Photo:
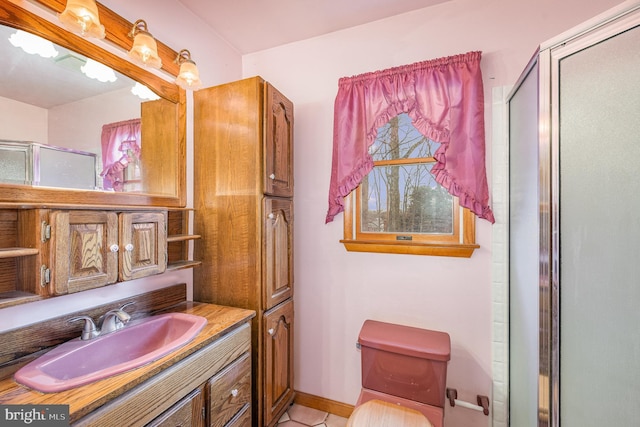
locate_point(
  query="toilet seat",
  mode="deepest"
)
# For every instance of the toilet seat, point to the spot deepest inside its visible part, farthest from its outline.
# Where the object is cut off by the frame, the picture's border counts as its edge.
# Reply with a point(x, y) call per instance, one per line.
point(377, 413)
point(434, 414)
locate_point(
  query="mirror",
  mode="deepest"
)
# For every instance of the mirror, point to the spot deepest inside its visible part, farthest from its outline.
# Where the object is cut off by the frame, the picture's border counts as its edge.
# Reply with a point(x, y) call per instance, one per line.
point(55, 124)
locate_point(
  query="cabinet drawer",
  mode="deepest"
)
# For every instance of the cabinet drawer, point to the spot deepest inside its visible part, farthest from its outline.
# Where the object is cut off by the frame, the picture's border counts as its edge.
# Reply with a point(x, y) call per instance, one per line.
point(243, 419)
point(230, 392)
point(186, 413)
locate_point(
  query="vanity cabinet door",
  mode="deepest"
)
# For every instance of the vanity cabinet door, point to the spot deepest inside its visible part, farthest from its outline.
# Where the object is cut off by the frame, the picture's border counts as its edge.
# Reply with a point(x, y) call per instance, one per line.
point(278, 143)
point(189, 412)
point(143, 244)
point(278, 254)
point(278, 354)
point(84, 247)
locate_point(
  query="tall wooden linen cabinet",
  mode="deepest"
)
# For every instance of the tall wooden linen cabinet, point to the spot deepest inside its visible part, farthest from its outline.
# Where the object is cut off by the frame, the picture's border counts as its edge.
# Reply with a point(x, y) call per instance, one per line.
point(243, 199)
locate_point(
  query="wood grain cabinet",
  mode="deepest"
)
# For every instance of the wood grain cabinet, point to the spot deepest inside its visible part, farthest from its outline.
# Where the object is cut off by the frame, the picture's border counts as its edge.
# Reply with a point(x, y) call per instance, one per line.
point(211, 387)
point(278, 324)
point(49, 252)
point(22, 254)
point(230, 394)
point(90, 249)
point(84, 250)
point(243, 200)
point(189, 412)
point(143, 244)
point(179, 239)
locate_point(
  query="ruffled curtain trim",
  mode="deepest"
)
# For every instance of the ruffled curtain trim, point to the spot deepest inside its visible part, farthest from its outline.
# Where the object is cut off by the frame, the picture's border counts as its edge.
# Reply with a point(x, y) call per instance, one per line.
point(444, 98)
point(118, 139)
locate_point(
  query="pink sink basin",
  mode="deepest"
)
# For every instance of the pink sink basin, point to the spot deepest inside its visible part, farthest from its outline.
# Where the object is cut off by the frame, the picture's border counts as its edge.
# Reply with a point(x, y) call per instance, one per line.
point(78, 362)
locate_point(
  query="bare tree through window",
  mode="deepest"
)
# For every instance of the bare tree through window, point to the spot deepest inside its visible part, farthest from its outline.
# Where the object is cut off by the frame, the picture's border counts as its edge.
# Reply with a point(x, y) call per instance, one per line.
point(400, 195)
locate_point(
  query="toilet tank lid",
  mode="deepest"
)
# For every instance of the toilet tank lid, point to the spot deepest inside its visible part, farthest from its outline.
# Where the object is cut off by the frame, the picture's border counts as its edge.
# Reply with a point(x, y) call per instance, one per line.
point(407, 340)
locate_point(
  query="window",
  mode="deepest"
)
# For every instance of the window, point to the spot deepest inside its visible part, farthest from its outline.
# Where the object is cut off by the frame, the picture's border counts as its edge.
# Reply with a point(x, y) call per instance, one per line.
point(399, 207)
point(384, 172)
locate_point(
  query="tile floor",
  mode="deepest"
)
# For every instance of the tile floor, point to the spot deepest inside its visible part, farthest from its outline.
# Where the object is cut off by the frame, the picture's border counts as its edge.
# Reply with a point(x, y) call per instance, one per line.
point(302, 416)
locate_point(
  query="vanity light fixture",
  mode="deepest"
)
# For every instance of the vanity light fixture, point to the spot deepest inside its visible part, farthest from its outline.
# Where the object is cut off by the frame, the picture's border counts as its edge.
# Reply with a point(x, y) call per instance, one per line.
point(189, 76)
point(33, 44)
point(143, 92)
point(81, 17)
point(145, 48)
point(95, 70)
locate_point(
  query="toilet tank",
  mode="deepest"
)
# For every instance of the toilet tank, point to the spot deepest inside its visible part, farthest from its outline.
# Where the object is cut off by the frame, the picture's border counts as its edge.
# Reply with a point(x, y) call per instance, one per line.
point(404, 361)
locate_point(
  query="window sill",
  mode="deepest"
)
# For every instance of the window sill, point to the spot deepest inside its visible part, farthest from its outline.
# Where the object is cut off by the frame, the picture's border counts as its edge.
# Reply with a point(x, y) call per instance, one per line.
point(443, 249)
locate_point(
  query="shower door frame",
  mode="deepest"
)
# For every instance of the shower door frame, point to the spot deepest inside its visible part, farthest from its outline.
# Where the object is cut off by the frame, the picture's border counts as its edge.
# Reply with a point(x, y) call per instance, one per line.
point(549, 57)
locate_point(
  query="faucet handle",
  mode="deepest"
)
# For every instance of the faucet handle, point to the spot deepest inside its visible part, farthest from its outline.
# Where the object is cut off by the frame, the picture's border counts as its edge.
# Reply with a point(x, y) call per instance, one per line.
point(122, 315)
point(128, 304)
point(89, 329)
point(114, 319)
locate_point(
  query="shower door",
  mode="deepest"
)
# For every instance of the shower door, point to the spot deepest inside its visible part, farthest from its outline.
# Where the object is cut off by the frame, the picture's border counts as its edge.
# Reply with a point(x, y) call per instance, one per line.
point(574, 209)
point(595, 227)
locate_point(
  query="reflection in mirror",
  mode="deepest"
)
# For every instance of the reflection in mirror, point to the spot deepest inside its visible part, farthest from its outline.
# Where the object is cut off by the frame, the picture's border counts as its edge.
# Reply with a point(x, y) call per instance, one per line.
point(62, 110)
point(69, 121)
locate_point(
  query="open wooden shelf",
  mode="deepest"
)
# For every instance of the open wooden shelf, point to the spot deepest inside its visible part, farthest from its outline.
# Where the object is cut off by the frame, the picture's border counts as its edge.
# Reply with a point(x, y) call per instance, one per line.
point(17, 252)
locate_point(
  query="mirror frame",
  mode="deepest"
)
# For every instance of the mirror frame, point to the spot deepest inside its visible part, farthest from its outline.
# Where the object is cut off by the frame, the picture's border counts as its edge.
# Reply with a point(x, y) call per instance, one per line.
point(17, 17)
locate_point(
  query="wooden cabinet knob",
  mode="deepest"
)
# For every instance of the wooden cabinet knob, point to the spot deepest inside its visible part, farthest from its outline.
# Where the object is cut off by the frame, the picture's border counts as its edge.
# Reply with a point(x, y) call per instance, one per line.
point(114, 248)
point(272, 176)
point(129, 247)
point(271, 215)
point(271, 331)
point(234, 392)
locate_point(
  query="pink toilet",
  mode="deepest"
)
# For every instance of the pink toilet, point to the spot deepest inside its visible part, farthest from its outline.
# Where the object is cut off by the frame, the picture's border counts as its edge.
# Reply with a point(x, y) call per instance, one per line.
point(406, 366)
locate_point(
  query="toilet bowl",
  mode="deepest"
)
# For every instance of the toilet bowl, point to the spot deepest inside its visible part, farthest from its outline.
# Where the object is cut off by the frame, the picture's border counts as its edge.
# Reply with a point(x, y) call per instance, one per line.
point(404, 366)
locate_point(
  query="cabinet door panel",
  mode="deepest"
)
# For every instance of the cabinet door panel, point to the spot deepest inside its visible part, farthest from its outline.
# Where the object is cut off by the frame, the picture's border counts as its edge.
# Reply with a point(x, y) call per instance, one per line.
point(81, 244)
point(278, 142)
point(278, 376)
point(278, 254)
point(143, 244)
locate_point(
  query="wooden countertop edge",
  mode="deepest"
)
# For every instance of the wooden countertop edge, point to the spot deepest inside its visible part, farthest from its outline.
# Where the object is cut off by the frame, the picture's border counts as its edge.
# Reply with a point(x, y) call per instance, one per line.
point(82, 400)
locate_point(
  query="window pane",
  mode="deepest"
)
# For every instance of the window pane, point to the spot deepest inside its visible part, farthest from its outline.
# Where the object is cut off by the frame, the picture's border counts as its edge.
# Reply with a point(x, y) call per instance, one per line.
point(405, 199)
point(398, 139)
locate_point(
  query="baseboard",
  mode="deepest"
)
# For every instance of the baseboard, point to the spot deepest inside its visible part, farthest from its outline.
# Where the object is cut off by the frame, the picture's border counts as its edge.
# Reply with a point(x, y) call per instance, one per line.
point(322, 404)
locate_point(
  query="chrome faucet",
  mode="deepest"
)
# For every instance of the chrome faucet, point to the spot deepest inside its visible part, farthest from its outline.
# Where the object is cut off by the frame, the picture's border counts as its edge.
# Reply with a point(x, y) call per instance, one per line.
point(115, 319)
point(111, 321)
point(89, 331)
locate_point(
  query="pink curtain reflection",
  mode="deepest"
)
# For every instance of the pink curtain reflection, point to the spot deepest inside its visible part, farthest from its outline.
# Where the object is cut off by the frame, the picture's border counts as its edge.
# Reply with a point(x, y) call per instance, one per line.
point(120, 146)
point(445, 100)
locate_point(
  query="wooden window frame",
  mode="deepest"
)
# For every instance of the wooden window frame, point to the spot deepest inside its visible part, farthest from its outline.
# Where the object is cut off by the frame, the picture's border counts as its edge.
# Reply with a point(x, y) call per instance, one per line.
point(461, 243)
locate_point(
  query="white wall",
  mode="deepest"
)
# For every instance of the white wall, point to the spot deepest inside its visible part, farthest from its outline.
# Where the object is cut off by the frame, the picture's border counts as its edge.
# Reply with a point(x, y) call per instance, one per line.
point(337, 290)
point(65, 130)
point(22, 122)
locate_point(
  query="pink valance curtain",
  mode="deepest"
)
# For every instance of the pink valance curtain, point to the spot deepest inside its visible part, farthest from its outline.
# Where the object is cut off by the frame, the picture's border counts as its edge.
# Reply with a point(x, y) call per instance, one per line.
point(120, 144)
point(445, 100)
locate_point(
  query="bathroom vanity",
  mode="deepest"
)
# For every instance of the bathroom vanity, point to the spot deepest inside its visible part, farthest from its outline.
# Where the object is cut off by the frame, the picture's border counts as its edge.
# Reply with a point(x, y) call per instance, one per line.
point(205, 382)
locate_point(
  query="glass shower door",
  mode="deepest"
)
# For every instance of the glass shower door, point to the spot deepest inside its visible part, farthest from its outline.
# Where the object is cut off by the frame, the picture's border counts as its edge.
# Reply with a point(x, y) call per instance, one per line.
point(598, 149)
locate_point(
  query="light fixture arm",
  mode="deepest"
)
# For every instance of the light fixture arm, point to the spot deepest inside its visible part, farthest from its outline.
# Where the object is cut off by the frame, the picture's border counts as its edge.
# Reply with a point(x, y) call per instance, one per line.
point(189, 77)
point(144, 49)
point(139, 25)
point(183, 55)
